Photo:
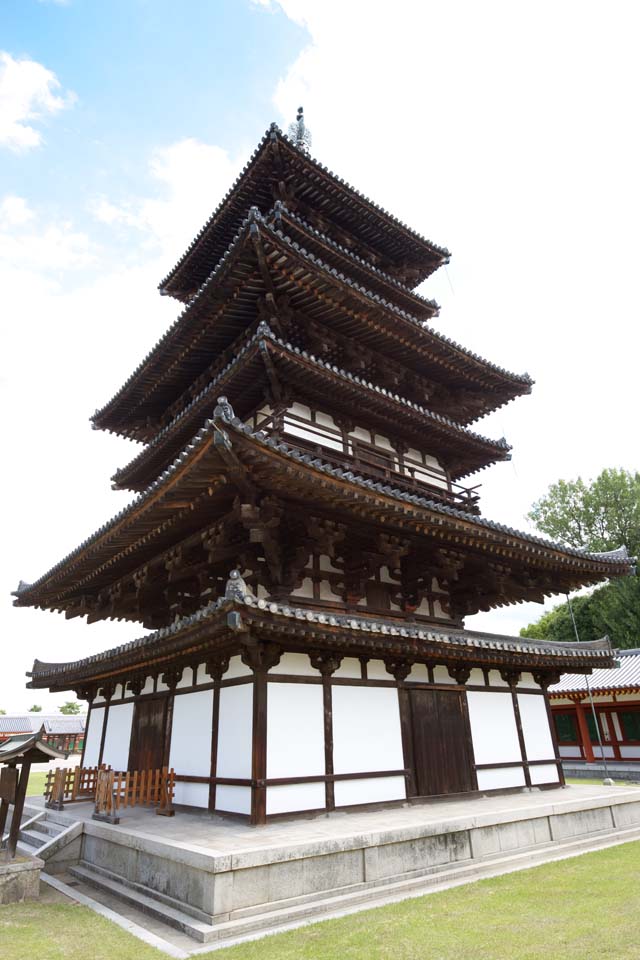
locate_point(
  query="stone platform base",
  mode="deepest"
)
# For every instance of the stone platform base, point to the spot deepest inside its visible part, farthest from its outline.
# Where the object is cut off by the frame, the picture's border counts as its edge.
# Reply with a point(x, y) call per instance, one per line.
point(628, 772)
point(218, 880)
point(19, 879)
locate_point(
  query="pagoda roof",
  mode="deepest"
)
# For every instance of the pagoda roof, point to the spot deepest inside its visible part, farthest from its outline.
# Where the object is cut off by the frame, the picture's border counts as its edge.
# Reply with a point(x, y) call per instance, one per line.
point(226, 307)
point(277, 160)
point(243, 379)
point(226, 456)
point(217, 626)
point(622, 677)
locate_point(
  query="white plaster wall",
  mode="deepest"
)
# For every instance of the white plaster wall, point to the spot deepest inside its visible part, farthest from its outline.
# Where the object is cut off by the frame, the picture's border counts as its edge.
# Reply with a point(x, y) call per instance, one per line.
point(148, 686)
point(630, 753)
point(295, 665)
point(295, 796)
point(493, 727)
point(327, 564)
point(616, 726)
point(545, 773)
point(305, 589)
point(94, 736)
point(500, 778)
point(376, 670)
point(161, 685)
point(526, 680)
point(608, 751)
point(476, 677)
point(327, 592)
point(98, 697)
point(237, 669)
point(570, 751)
point(235, 731)
point(186, 680)
point(535, 726)
point(495, 680)
point(192, 794)
point(201, 674)
point(371, 790)
point(366, 729)
point(419, 673)
point(233, 799)
point(118, 692)
point(442, 675)
point(349, 668)
point(295, 730)
point(191, 733)
point(118, 738)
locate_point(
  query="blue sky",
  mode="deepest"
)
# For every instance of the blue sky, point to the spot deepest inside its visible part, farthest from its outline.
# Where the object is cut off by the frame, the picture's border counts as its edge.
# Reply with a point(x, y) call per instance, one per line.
point(503, 131)
point(142, 73)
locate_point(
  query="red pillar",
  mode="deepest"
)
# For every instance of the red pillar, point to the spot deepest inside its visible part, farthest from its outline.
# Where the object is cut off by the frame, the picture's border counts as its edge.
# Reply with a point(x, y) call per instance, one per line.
point(585, 739)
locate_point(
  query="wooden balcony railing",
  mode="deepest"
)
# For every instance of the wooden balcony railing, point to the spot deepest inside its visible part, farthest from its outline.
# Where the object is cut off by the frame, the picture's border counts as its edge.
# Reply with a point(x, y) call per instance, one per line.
point(349, 453)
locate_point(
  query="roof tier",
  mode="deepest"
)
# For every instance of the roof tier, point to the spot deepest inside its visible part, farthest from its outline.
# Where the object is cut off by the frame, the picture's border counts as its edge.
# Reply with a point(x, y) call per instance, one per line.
point(266, 274)
point(498, 565)
point(215, 630)
point(267, 362)
point(624, 677)
point(279, 170)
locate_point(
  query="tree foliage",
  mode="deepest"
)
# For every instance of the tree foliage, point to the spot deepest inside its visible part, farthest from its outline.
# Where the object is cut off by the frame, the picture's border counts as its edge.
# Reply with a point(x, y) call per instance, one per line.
point(36, 708)
point(70, 707)
point(3, 713)
point(600, 515)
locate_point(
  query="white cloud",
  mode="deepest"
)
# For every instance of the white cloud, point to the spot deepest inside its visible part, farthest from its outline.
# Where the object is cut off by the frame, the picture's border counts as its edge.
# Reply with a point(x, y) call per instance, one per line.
point(14, 211)
point(28, 92)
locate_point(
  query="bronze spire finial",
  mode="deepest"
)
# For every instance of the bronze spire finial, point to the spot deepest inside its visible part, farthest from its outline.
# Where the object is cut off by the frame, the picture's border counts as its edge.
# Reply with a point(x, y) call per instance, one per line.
point(299, 132)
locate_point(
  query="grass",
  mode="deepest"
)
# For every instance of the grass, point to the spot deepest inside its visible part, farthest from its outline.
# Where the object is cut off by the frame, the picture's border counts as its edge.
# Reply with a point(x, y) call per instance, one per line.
point(575, 909)
point(35, 787)
point(587, 782)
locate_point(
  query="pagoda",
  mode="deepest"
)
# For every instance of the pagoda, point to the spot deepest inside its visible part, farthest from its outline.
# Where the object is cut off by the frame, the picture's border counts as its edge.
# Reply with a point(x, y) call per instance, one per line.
point(306, 539)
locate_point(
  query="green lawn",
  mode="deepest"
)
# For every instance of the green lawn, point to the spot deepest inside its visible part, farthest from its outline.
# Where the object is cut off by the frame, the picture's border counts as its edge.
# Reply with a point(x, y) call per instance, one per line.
point(35, 787)
point(577, 909)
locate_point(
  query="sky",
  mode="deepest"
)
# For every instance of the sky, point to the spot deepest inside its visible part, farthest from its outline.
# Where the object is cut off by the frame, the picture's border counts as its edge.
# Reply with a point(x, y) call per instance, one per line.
point(505, 132)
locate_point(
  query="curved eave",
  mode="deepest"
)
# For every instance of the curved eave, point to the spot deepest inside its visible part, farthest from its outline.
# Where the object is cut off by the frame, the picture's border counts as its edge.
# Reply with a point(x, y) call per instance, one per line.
point(412, 339)
point(253, 187)
point(414, 422)
point(200, 469)
point(222, 619)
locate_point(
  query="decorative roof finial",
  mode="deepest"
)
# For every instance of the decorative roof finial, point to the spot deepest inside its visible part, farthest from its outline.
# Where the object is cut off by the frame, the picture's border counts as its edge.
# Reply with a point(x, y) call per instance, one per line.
point(299, 133)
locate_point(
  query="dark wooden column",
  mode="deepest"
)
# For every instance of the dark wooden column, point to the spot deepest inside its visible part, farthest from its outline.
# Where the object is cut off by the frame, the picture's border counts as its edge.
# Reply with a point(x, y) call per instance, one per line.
point(88, 694)
point(260, 656)
point(327, 664)
point(21, 793)
point(216, 670)
point(511, 677)
point(400, 670)
point(107, 692)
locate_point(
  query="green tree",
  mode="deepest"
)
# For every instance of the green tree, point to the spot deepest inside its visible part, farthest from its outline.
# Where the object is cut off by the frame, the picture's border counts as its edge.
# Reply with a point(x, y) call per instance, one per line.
point(600, 515)
point(36, 708)
point(70, 707)
point(3, 713)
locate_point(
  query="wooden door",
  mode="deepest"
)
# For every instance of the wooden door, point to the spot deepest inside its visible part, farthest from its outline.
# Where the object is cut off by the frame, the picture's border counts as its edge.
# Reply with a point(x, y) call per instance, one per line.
point(147, 735)
point(443, 756)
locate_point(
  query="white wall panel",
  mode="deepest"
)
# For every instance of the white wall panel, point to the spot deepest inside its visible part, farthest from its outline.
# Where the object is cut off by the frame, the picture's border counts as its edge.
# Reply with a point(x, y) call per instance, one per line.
point(235, 731)
point(295, 730)
point(535, 726)
point(350, 668)
point(570, 751)
point(630, 753)
point(237, 669)
point(118, 738)
point(192, 794)
point(500, 778)
point(94, 736)
point(495, 680)
point(186, 680)
point(493, 727)
point(476, 677)
point(419, 673)
point(296, 665)
point(371, 790)
point(376, 670)
point(191, 733)
point(526, 680)
point(233, 799)
point(201, 674)
point(442, 675)
point(545, 773)
point(366, 729)
point(608, 751)
point(295, 796)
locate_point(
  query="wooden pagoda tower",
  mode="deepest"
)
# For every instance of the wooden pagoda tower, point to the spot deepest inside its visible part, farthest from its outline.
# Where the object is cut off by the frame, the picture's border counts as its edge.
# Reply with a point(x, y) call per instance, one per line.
point(306, 542)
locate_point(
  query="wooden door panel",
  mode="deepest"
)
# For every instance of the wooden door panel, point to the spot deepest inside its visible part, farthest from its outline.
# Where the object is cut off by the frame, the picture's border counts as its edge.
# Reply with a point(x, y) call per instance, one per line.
point(147, 740)
point(441, 742)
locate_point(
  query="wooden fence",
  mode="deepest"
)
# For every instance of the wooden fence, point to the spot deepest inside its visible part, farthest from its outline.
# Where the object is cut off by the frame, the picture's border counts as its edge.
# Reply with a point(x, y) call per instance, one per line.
point(111, 790)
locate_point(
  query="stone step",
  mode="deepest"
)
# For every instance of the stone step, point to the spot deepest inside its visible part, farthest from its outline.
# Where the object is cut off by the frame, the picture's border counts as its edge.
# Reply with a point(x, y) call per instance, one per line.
point(243, 924)
point(46, 828)
point(146, 902)
point(32, 839)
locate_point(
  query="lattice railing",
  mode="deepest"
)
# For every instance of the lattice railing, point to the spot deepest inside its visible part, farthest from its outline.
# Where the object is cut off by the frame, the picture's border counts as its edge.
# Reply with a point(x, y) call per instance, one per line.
point(112, 790)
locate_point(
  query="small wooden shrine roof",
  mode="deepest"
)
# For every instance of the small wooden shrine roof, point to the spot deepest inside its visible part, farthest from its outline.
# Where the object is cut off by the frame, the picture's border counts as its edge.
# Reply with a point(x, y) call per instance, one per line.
point(623, 677)
point(219, 462)
point(278, 165)
point(263, 261)
point(213, 628)
point(29, 747)
point(265, 356)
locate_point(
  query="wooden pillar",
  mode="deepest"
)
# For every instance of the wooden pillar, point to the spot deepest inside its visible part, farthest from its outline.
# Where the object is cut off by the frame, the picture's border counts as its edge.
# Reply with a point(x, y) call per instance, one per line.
point(400, 670)
point(216, 670)
point(581, 717)
point(327, 664)
point(260, 656)
point(18, 808)
point(107, 693)
point(512, 677)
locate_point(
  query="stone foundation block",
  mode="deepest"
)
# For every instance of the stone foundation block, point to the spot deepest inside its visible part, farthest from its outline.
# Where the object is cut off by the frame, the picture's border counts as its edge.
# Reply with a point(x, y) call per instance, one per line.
point(20, 879)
